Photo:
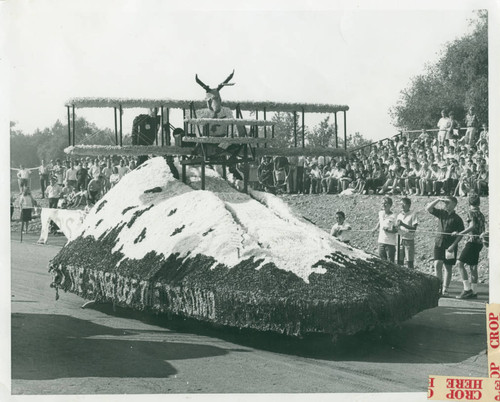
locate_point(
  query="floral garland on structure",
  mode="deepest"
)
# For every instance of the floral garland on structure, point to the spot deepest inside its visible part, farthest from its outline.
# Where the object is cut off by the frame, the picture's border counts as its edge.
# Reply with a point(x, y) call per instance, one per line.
point(269, 106)
point(135, 150)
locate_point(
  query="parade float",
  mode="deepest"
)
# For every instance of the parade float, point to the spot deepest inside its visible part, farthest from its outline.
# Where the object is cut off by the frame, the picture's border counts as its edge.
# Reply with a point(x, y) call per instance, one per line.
point(200, 248)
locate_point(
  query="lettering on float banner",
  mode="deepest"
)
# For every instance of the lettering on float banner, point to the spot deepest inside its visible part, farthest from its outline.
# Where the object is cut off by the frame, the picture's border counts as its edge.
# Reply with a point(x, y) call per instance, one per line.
point(443, 388)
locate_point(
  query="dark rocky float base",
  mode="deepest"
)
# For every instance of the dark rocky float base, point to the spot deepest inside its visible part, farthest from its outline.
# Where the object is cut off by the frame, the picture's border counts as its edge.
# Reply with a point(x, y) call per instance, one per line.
point(352, 296)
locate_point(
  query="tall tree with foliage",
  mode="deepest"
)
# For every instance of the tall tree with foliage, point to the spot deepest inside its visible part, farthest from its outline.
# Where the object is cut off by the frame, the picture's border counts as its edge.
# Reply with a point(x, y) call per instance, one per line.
point(322, 135)
point(283, 129)
point(457, 81)
point(49, 143)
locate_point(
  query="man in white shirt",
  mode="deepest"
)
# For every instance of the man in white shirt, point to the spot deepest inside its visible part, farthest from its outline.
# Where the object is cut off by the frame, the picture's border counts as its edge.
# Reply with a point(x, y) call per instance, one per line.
point(341, 229)
point(122, 169)
point(444, 124)
point(23, 176)
point(53, 192)
point(407, 223)
point(387, 229)
point(70, 176)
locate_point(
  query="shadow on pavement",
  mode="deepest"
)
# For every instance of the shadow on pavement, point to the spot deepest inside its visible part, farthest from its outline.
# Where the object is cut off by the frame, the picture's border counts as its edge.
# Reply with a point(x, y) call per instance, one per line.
point(46, 346)
point(438, 335)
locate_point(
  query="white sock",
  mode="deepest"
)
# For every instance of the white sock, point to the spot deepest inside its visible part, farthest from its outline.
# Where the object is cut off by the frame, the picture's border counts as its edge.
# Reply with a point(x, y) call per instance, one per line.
point(474, 288)
point(466, 284)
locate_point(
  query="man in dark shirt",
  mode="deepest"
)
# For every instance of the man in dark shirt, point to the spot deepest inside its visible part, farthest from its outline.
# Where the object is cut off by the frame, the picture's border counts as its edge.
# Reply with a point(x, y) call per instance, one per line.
point(144, 129)
point(445, 245)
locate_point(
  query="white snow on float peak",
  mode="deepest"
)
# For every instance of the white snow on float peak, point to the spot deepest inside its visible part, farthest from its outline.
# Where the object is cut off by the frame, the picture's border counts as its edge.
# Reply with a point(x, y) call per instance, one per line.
point(219, 222)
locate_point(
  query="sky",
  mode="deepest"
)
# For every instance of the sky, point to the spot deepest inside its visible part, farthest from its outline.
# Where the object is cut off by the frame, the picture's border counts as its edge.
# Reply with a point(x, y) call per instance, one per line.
point(313, 53)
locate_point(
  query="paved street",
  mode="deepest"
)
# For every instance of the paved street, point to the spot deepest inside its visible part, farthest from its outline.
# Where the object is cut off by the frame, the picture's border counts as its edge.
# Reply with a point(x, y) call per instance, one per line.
point(60, 348)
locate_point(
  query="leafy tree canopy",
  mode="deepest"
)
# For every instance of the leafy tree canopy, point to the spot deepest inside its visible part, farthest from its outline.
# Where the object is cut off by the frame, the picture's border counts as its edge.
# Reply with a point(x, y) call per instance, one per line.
point(458, 80)
point(49, 143)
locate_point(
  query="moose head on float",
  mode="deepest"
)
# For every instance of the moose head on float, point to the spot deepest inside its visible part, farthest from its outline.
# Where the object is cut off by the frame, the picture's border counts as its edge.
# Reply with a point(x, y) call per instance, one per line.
point(214, 101)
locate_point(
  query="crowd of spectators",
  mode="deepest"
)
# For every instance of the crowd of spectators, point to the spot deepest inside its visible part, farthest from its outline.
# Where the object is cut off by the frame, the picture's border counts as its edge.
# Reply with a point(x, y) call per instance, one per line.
point(75, 183)
point(425, 164)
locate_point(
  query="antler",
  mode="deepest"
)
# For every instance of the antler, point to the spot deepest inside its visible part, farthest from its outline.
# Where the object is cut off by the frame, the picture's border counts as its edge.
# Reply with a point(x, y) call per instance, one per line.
point(203, 85)
point(226, 81)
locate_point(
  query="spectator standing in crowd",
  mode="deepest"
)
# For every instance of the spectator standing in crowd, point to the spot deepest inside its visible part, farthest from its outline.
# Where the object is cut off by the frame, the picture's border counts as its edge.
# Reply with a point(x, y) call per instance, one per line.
point(265, 173)
point(94, 189)
point(472, 125)
point(123, 169)
point(11, 206)
point(44, 174)
point(341, 229)
point(53, 192)
point(300, 174)
point(292, 174)
point(407, 223)
point(470, 253)
point(71, 178)
point(94, 169)
point(82, 175)
point(386, 226)
point(445, 245)
point(106, 173)
point(453, 130)
point(115, 177)
point(58, 171)
point(316, 177)
point(23, 177)
point(26, 204)
point(443, 125)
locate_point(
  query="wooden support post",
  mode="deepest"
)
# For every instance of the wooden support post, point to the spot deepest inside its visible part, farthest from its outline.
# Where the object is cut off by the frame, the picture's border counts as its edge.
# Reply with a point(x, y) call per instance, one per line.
point(256, 129)
point(265, 128)
point(295, 128)
point(74, 134)
point(272, 131)
point(224, 173)
point(245, 169)
point(167, 134)
point(336, 132)
point(156, 131)
point(121, 126)
point(116, 128)
point(162, 130)
point(184, 170)
point(185, 124)
point(345, 130)
point(203, 174)
point(69, 128)
point(303, 129)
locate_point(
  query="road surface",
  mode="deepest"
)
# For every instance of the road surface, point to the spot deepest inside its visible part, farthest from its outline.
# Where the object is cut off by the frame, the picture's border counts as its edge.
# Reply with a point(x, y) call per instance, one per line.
point(60, 348)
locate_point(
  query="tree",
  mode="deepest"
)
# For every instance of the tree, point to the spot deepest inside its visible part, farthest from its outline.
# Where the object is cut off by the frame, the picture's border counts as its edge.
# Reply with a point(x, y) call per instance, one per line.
point(49, 143)
point(22, 148)
point(283, 129)
point(322, 135)
point(458, 80)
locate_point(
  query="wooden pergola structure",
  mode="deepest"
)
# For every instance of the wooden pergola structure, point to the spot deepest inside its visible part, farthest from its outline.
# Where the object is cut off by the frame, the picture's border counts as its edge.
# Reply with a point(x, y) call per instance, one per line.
point(197, 131)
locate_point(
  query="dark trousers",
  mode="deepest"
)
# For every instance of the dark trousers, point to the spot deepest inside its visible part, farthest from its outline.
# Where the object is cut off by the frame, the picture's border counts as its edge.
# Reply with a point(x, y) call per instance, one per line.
point(44, 181)
point(53, 202)
point(300, 179)
point(81, 185)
